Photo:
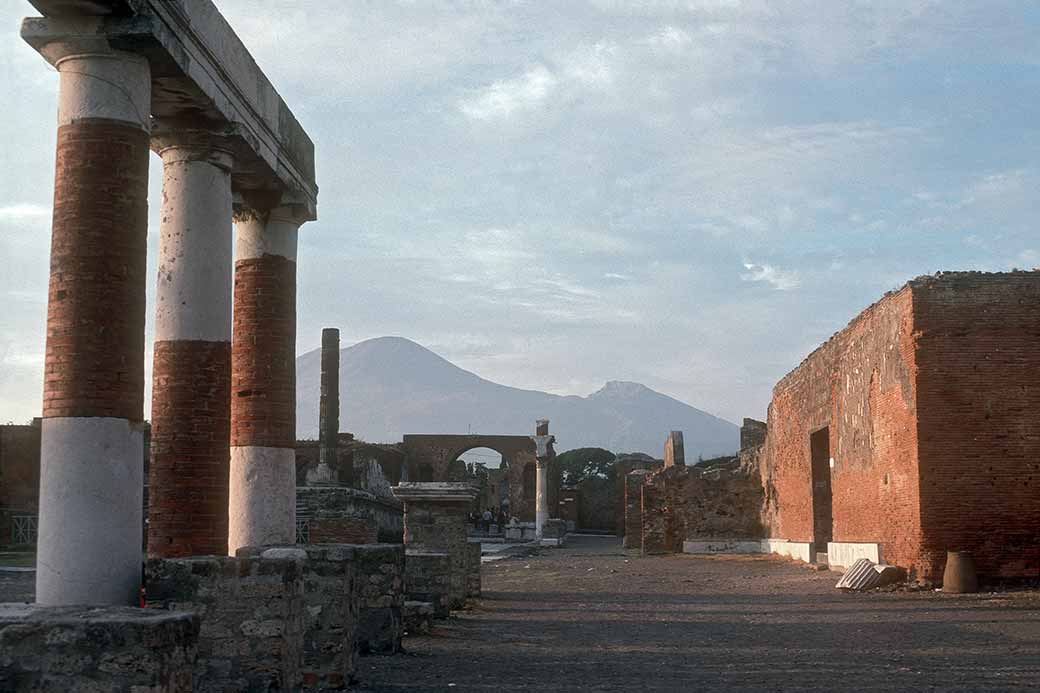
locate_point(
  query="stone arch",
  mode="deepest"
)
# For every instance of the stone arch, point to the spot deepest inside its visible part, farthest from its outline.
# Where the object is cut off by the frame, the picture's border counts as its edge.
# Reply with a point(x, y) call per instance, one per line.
point(441, 450)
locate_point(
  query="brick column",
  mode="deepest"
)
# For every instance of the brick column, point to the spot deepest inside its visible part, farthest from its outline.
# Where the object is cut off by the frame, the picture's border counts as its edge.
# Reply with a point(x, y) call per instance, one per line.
point(262, 507)
point(191, 378)
point(92, 447)
point(545, 453)
point(328, 412)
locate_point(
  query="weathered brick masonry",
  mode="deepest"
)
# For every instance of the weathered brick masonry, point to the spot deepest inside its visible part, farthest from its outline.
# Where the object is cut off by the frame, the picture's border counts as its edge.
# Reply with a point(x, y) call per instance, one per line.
point(188, 474)
point(96, 301)
point(263, 353)
point(978, 404)
point(928, 404)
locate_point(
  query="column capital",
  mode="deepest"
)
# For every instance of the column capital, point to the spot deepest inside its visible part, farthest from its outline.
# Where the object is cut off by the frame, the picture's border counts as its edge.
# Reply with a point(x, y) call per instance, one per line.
point(99, 82)
point(182, 144)
point(544, 448)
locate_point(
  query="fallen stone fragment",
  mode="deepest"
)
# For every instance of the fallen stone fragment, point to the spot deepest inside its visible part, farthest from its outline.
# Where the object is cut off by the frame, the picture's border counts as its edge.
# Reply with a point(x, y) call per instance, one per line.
point(860, 577)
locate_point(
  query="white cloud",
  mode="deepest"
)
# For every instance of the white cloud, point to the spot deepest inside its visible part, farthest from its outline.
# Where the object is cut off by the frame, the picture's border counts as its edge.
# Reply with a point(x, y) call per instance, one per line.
point(24, 212)
point(504, 98)
point(781, 280)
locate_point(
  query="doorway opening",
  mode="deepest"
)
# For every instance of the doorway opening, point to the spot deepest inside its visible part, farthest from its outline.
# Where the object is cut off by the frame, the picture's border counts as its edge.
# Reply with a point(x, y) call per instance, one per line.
point(823, 512)
point(489, 470)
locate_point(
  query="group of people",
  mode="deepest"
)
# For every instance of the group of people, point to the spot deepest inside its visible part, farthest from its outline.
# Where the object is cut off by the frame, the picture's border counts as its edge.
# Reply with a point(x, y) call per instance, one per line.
point(485, 519)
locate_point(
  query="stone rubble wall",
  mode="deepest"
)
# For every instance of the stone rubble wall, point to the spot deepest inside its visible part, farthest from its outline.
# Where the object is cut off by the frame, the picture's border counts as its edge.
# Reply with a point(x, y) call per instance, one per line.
point(427, 578)
point(692, 504)
point(380, 586)
point(252, 616)
point(73, 649)
point(331, 604)
point(473, 583)
point(324, 503)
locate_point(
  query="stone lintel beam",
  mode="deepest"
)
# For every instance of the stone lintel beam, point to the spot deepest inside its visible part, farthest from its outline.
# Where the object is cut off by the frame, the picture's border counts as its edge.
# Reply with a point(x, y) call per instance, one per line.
point(435, 492)
point(202, 76)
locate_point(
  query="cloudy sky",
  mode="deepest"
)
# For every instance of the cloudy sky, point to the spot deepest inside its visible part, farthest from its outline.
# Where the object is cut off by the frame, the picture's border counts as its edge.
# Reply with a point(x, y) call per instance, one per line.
point(554, 194)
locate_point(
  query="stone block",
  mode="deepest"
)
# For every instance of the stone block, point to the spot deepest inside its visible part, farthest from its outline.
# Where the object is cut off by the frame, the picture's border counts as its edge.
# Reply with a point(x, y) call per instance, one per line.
point(418, 617)
point(96, 649)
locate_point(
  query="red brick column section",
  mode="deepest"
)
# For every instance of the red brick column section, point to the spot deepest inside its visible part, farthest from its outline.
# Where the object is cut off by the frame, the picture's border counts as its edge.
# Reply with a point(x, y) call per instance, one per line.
point(91, 470)
point(262, 507)
point(191, 374)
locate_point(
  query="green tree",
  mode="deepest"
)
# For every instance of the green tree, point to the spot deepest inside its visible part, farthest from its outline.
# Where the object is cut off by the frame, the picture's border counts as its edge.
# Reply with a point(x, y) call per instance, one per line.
point(585, 463)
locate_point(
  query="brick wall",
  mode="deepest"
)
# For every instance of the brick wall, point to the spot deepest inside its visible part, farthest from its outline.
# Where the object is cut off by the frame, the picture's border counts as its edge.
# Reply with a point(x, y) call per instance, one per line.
point(860, 384)
point(979, 427)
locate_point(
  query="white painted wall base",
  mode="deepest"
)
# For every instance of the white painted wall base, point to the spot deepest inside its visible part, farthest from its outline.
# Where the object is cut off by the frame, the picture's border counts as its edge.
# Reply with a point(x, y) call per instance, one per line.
point(91, 493)
point(799, 550)
point(262, 499)
point(552, 542)
point(842, 554)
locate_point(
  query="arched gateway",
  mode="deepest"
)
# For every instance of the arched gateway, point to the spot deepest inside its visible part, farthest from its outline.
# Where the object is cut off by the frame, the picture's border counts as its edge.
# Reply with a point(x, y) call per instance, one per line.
point(433, 457)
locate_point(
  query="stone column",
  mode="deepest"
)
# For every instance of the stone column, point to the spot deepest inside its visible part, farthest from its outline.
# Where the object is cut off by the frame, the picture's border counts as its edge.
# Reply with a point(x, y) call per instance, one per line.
point(191, 378)
point(262, 506)
point(92, 449)
point(328, 414)
point(545, 453)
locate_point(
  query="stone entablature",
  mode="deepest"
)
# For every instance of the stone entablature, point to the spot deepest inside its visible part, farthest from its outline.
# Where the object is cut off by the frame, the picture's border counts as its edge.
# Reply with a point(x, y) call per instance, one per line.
point(205, 79)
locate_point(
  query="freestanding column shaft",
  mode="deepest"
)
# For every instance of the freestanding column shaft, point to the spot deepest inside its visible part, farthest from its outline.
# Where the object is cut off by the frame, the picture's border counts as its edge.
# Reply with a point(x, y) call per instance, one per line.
point(92, 449)
point(545, 453)
point(262, 508)
point(328, 414)
point(191, 378)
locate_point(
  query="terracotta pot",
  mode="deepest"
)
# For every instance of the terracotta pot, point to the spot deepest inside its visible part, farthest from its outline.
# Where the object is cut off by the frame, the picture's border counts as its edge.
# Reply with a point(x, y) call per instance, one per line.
point(959, 576)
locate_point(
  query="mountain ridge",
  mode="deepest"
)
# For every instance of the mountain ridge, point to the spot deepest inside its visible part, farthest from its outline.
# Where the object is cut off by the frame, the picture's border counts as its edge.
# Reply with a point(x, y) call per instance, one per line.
point(391, 385)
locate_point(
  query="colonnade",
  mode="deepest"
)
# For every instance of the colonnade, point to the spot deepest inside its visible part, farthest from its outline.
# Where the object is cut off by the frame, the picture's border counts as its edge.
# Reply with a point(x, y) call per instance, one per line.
point(222, 471)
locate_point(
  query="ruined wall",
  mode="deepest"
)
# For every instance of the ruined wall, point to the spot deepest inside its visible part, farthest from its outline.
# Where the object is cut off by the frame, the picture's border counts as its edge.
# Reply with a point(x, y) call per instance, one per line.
point(624, 465)
point(979, 428)
point(860, 384)
point(693, 504)
point(380, 587)
point(251, 611)
point(320, 506)
point(83, 648)
point(19, 477)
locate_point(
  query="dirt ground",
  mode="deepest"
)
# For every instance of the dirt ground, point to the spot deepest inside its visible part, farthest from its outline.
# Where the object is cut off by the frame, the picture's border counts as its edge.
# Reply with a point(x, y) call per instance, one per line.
point(593, 617)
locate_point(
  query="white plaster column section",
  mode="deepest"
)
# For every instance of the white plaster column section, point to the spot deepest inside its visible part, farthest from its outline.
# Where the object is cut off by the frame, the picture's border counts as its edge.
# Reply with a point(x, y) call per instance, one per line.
point(541, 501)
point(262, 504)
point(544, 453)
point(108, 84)
point(92, 447)
point(193, 297)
